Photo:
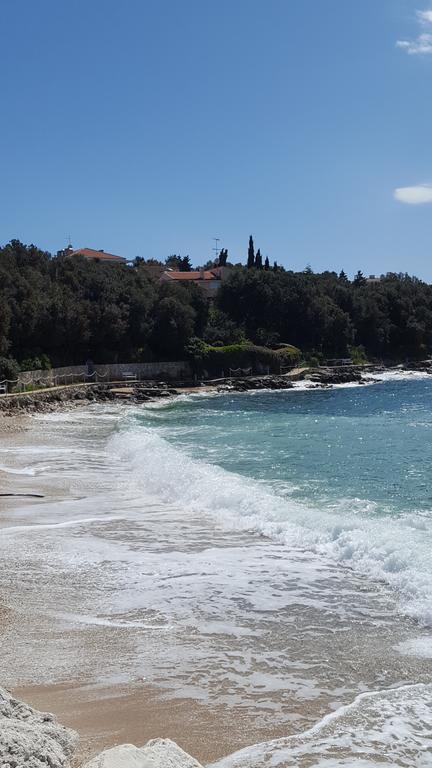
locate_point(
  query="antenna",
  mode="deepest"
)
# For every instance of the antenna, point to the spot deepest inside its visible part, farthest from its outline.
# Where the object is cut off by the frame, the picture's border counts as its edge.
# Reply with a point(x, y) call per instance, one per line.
point(216, 246)
point(69, 242)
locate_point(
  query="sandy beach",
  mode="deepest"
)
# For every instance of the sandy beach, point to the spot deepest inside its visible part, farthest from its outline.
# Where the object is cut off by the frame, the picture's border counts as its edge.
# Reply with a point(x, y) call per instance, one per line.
point(106, 715)
point(131, 613)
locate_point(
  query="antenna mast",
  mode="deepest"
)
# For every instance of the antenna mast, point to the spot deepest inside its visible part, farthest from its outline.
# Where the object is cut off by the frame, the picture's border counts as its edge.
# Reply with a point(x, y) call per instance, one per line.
point(216, 246)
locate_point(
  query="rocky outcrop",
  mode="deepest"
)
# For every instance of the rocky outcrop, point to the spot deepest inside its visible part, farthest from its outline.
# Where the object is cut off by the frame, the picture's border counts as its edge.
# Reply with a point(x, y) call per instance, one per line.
point(30, 738)
point(424, 366)
point(158, 753)
point(341, 375)
point(255, 382)
point(51, 399)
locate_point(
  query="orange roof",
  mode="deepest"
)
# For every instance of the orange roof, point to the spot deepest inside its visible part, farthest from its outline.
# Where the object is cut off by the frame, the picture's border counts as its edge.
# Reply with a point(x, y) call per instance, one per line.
point(90, 253)
point(195, 275)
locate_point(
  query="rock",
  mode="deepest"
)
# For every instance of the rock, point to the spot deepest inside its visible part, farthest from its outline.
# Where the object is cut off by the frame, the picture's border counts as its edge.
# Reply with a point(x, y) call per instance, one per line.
point(157, 753)
point(255, 382)
point(30, 738)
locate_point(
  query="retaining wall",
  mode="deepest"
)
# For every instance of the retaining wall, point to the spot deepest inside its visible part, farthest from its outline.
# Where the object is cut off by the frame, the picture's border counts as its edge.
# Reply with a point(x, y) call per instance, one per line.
point(112, 372)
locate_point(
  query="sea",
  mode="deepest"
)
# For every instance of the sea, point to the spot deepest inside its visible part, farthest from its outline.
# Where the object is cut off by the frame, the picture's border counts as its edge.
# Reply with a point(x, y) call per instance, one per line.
point(266, 554)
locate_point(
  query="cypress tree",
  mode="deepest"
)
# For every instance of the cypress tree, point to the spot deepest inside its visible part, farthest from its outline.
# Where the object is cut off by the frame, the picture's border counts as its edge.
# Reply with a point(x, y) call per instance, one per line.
point(223, 257)
point(258, 259)
point(251, 253)
point(266, 263)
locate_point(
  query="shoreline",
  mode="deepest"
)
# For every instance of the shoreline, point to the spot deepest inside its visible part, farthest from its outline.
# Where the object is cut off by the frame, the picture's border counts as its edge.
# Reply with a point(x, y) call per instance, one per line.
point(16, 405)
point(109, 714)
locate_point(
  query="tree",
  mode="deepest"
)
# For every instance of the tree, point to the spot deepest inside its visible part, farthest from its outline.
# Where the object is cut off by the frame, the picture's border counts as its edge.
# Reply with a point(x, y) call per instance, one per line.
point(359, 279)
point(275, 266)
point(251, 254)
point(223, 257)
point(173, 327)
point(266, 264)
point(258, 260)
point(185, 264)
point(173, 261)
point(343, 277)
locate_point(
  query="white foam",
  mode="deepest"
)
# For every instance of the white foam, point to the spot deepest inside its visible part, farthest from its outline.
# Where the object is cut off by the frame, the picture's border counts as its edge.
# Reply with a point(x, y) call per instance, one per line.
point(390, 550)
point(418, 646)
point(392, 728)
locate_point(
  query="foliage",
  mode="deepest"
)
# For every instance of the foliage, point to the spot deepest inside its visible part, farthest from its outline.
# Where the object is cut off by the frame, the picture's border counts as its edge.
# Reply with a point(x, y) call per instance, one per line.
point(358, 355)
point(9, 369)
point(64, 311)
point(325, 315)
point(218, 359)
point(251, 254)
point(36, 363)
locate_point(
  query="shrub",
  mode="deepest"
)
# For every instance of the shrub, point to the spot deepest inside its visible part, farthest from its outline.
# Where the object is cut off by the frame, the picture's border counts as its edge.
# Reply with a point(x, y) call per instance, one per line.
point(358, 355)
point(9, 369)
point(247, 355)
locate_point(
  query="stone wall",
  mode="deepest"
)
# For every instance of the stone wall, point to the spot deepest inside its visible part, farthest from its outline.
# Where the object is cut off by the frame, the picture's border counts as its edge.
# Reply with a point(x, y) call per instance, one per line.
point(75, 374)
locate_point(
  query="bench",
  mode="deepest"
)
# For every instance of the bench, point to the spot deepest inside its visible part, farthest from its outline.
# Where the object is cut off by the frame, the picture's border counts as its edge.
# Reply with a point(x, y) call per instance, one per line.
point(129, 376)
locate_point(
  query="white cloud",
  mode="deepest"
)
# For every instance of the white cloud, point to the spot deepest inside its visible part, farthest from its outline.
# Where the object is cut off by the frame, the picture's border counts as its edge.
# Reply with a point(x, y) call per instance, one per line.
point(425, 17)
point(422, 44)
point(421, 193)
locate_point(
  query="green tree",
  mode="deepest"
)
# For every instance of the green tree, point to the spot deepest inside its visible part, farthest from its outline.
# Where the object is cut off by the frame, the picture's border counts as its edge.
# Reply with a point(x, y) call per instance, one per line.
point(251, 253)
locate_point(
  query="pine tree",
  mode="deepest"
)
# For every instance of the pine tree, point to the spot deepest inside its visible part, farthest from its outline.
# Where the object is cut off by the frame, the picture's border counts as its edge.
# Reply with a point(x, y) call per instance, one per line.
point(185, 264)
point(251, 254)
point(258, 260)
point(359, 278)
point(343, 276)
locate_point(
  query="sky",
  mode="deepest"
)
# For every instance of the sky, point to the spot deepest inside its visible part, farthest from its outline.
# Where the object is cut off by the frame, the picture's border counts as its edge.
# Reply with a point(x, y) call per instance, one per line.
point(149, 127)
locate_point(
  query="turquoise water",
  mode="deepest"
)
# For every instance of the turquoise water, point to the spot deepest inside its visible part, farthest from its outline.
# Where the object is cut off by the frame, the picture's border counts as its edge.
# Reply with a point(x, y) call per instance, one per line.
point(368, 443)
point(344, 472)
point(266, 555)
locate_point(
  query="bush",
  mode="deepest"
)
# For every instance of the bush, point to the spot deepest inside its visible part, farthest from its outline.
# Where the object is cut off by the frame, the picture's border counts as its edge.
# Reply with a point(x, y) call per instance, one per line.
point(288, 354)
point(247, 355)
point(34, 363)
point(9, 369)
point(358, 355)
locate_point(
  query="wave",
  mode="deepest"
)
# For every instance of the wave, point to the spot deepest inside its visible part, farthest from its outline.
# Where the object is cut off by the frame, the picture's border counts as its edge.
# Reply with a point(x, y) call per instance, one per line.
point(392, 728)
point(394, 550)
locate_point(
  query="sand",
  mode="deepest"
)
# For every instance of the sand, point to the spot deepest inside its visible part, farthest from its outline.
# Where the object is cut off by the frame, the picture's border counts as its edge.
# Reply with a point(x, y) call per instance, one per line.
point(105, 716)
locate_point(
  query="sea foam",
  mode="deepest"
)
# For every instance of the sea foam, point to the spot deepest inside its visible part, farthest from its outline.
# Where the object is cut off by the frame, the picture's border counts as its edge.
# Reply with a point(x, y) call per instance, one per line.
point(393, 550)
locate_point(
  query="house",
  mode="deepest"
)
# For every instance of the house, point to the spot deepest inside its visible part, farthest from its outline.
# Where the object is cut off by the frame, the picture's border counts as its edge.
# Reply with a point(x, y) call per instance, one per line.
point(92, 255)
point(209, 280)
point(373, 279)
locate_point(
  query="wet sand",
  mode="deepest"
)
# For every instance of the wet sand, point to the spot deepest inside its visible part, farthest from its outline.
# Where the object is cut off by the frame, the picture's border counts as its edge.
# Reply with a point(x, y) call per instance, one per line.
point(107, 716)
point(125, 707)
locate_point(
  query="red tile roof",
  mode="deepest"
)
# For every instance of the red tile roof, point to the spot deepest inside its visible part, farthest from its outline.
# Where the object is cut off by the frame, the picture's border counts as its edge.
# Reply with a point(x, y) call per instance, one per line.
point(90, 253)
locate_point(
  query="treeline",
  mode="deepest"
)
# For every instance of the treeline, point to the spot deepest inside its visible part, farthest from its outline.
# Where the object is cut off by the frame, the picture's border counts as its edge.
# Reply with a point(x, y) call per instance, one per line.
point(61, 310)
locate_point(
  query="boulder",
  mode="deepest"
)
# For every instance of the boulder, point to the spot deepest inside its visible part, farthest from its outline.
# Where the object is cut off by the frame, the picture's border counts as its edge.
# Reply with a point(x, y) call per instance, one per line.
point(157, 753)
point(31, 738)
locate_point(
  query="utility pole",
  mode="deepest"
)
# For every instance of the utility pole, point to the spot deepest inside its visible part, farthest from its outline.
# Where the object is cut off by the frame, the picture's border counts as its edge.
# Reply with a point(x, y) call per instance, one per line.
point(216, 247)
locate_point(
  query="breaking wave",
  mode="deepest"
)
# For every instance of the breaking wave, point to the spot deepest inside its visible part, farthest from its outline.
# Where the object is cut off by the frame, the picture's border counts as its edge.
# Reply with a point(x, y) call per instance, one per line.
point(392, 728)
point(395, 550)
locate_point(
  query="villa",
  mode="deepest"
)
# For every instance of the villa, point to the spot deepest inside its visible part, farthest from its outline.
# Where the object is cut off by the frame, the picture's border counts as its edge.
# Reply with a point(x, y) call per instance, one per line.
point(209, 280)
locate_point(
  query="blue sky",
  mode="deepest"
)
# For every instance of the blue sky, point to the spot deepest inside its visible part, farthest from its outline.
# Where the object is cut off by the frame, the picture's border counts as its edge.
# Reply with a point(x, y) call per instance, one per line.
point(147, 127)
